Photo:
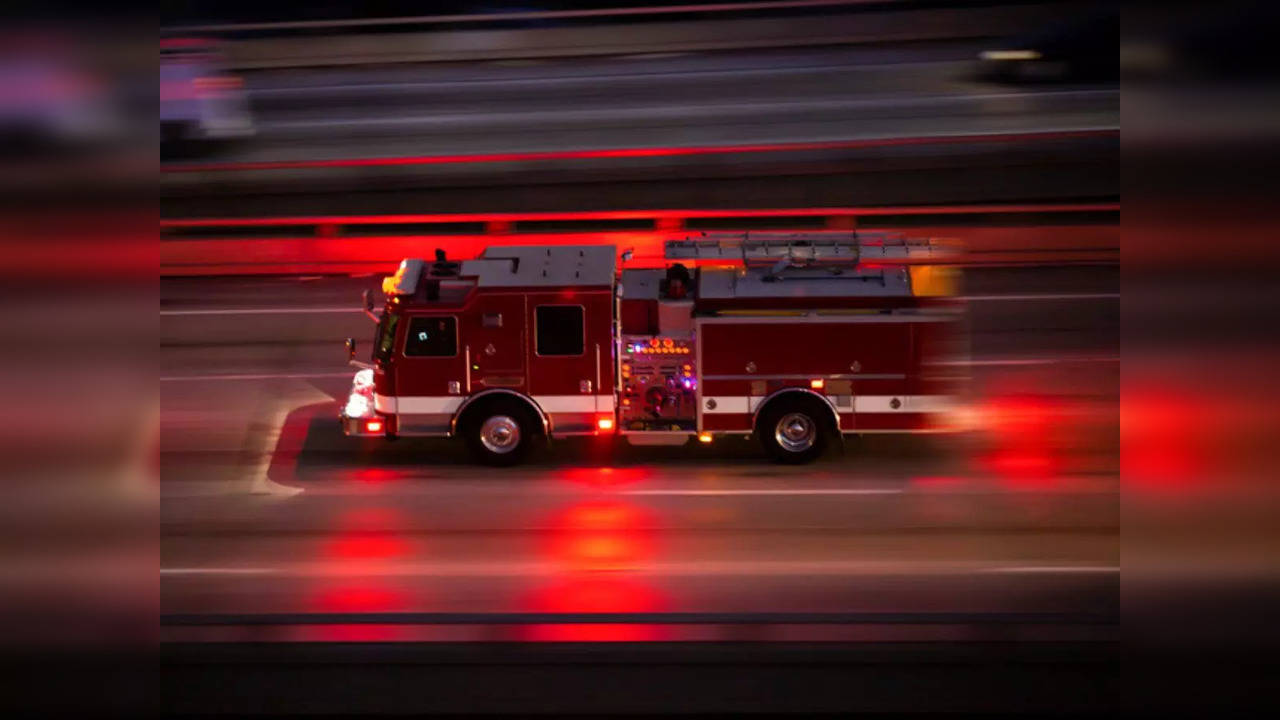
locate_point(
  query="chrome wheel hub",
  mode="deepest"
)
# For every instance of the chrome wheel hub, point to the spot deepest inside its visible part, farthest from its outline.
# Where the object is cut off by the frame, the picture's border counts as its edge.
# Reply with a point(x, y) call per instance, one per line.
point(500, 434)
point(795, 432)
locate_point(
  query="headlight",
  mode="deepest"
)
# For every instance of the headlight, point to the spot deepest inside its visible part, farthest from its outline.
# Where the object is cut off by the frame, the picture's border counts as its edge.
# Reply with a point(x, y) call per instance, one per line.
point(363, 380)
point(358, 406)
point(1009, 55)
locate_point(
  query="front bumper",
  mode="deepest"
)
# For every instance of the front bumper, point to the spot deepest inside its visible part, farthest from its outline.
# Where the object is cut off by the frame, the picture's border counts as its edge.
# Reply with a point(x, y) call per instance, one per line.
point(359, 418)
point(360, 427)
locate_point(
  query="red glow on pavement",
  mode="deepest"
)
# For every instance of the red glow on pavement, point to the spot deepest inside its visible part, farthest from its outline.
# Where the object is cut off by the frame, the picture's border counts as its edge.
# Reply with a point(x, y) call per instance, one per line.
point(376, 475)
point(366, 546)
point(360, 598)
point(1165, 438)
point(604, 535)
point(603, 476)
point(1022, 431)
point(595, 594)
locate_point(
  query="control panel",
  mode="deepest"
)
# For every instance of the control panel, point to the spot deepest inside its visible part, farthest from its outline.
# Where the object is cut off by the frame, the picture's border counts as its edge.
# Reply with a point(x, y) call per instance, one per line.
point(658, 383)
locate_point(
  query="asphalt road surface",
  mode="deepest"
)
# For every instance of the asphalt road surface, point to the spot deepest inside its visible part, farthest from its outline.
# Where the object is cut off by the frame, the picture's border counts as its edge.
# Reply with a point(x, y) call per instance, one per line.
point(267, 508)
point(763, 98)
point(646, 101)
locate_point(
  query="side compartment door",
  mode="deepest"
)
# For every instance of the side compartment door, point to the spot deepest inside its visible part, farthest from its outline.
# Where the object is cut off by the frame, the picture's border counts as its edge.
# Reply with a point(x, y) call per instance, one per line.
point(430, 373)
point(494, 340)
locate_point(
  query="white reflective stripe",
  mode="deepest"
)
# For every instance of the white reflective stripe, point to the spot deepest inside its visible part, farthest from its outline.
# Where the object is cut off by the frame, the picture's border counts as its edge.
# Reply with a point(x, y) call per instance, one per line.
point(906, 403)
point(728, 405)
point(861, 403)
point(414, 405)
point(568, 403)
point(430, 405)
point(931, 403)
point(384, 404)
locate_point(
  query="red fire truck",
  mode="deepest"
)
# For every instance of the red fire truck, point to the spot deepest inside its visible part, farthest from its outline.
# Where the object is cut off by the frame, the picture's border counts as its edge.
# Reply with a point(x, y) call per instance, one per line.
point(796, 339)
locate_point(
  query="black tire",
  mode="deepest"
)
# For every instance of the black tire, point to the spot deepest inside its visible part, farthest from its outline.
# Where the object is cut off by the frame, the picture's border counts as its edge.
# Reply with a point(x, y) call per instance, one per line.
point(499, 433)
point(795, 428)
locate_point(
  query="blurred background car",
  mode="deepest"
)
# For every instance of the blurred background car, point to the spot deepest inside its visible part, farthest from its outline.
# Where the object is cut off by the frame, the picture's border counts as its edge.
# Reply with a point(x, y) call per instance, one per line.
point(201, 103)
point(51, 99)
point(1081, 48)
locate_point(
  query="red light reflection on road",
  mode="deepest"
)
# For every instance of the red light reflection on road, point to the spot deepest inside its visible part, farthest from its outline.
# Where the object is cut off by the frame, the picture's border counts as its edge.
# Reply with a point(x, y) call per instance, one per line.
point(377, 475)
point(1022, 431)
point(363, 545)
point(596, 594)
point(601, 535)
point(364, 597)
point(596, 543)
point(1165, 438)
point(603, 476)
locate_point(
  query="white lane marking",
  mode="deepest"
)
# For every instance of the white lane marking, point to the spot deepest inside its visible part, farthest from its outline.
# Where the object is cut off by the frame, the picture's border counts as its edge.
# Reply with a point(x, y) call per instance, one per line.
point(219, 571)
point(276, 376)
point(655, 112)
point(263, 311)
point(1041, 296)
point(723, 568)
point(798, 491)
point(1053, 569)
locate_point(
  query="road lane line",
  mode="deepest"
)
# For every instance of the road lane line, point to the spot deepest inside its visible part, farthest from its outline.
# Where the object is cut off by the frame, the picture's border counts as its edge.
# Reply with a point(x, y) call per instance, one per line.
point(699, 569)
point(1053, 569)
point(798, 491)
point(219, 571)
point(280, 376)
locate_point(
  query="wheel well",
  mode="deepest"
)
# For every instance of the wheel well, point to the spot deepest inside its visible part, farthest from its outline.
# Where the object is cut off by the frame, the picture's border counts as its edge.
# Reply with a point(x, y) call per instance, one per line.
point(798, 395)
point(499, 398)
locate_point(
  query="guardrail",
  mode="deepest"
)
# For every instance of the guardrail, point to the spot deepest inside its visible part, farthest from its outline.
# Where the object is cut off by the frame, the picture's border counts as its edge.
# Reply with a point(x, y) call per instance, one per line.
point(1056, 233)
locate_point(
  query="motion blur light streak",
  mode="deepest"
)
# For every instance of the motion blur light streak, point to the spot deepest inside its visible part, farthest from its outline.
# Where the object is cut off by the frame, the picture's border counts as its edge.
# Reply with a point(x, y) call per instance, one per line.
point(641, 152)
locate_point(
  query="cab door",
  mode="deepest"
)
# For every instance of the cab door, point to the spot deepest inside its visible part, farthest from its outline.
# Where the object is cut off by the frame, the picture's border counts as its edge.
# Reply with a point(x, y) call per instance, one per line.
point(430, 373)
point(494, 341)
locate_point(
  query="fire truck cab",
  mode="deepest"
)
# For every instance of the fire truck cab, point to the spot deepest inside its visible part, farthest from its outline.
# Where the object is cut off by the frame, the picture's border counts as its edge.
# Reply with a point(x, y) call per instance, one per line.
point(795, 339)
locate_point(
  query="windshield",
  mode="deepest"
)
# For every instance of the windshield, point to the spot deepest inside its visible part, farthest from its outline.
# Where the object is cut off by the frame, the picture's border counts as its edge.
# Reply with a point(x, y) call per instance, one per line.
point(386, 335)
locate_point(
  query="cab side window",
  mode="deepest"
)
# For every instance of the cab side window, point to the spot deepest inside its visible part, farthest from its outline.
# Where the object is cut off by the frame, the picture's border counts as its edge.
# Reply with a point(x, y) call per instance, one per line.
point(432, 337)
point(560, 330)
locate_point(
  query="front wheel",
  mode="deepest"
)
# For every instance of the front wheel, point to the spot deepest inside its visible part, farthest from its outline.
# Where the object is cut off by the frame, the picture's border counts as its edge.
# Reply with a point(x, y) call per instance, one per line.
point(794, 430)
point(499, 436)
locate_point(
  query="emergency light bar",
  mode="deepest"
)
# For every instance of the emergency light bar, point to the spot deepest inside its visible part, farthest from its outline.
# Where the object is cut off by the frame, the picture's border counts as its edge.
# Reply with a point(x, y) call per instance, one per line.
point(405, 281)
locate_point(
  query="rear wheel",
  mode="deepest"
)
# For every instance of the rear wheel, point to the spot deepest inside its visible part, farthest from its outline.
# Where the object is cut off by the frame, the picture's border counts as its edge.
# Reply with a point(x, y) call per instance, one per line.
point(794, 430)
point(499, 433)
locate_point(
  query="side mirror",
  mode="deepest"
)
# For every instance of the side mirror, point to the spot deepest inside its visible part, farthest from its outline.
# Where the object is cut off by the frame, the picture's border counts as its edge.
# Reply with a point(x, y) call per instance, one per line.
point(351, 349)
point(368, 305)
